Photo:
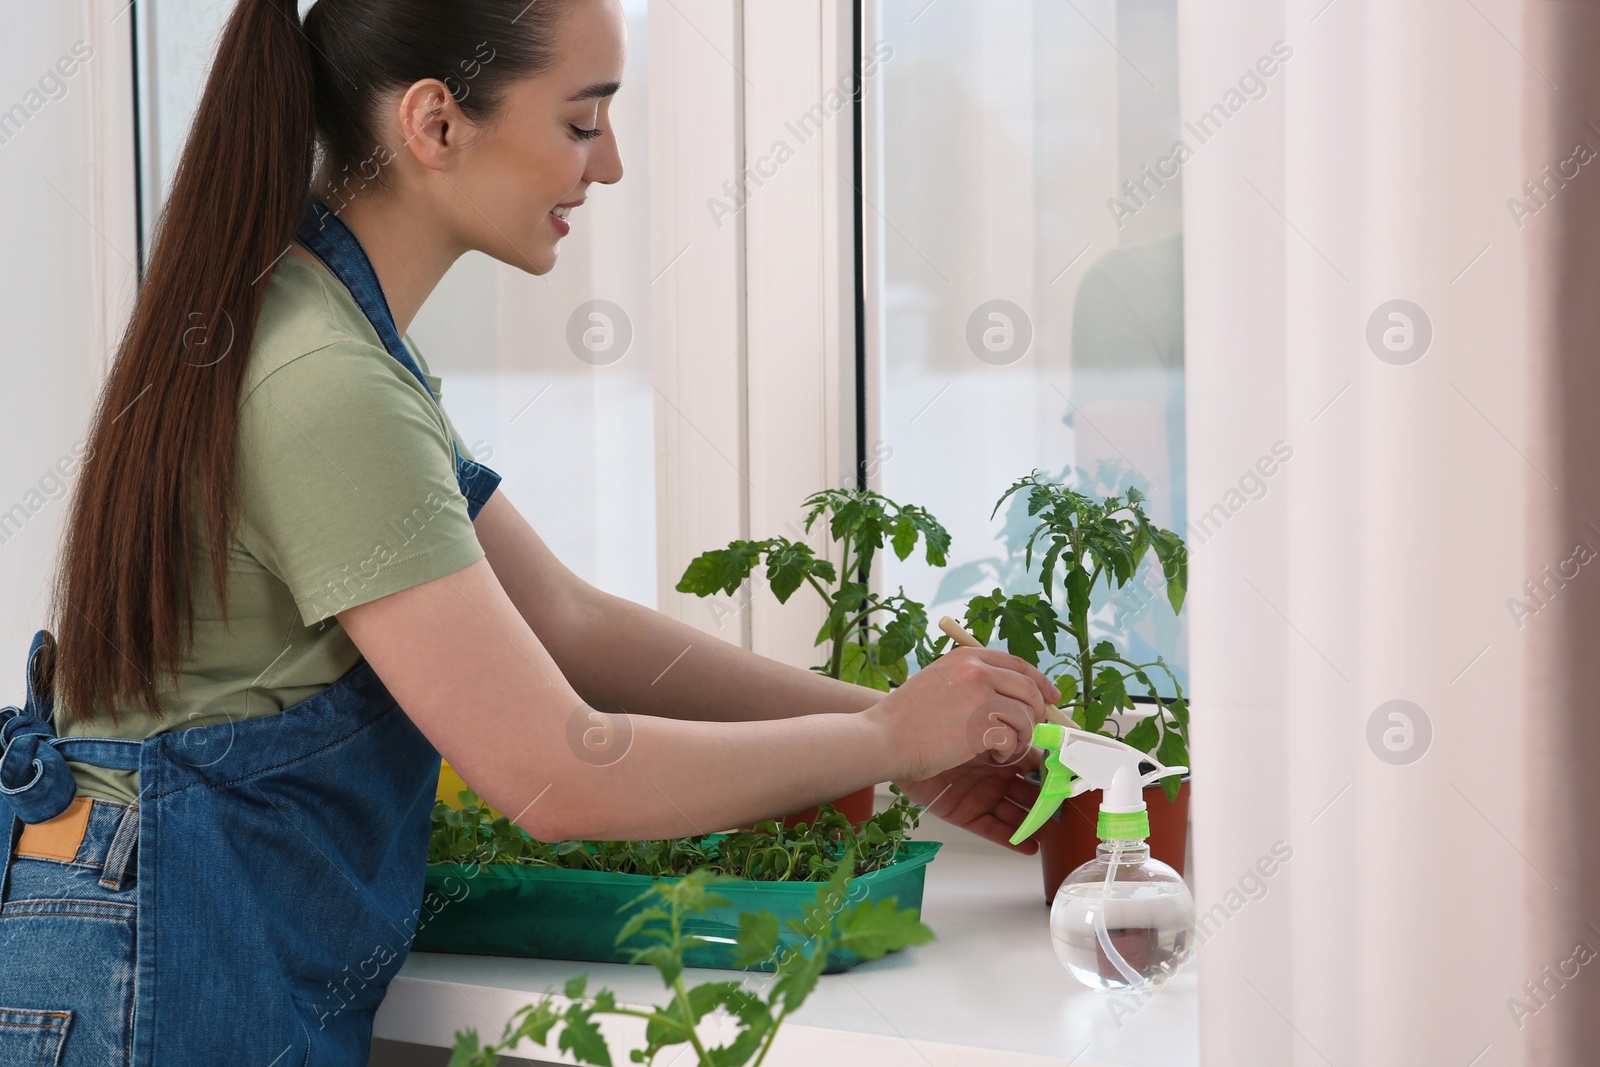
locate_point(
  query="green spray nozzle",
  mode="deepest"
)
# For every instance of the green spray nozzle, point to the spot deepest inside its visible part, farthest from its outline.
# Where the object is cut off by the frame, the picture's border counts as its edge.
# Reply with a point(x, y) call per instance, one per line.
point(1076, 761)
point(1055, 782)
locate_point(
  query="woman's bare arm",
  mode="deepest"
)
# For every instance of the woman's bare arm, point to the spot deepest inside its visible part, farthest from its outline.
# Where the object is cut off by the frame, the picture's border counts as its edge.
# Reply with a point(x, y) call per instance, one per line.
point(468, 670)
point(620, 654)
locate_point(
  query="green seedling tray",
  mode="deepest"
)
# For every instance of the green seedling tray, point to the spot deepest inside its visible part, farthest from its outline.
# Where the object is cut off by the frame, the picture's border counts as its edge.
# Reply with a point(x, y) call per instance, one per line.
point(561, 914)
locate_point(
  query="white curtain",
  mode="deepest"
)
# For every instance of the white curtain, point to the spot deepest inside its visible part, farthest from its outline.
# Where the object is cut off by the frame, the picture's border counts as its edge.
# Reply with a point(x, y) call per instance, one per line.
point(1378, 564)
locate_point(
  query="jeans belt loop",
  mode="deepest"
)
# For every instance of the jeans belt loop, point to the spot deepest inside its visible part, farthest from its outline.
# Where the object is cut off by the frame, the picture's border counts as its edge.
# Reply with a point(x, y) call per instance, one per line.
point(114, 875)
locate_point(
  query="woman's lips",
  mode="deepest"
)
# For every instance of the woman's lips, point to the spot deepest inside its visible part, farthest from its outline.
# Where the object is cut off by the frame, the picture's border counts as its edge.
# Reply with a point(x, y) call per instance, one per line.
point(563, 227)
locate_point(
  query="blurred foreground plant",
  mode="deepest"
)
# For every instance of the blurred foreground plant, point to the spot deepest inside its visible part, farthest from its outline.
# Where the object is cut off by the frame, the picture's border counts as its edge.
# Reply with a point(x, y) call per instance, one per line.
point(868, 928)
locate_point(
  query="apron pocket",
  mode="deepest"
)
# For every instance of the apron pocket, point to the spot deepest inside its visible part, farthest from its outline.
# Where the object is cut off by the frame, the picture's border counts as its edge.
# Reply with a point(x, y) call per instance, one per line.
point(33, 1038)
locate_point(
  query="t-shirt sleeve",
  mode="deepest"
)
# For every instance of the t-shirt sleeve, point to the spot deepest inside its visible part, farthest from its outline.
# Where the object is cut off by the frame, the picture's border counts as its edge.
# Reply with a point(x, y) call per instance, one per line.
point(347, 484)
point(436, 383)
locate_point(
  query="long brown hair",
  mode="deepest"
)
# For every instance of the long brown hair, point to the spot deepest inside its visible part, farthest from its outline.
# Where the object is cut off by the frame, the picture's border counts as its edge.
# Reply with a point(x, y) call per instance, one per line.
point(160, 481)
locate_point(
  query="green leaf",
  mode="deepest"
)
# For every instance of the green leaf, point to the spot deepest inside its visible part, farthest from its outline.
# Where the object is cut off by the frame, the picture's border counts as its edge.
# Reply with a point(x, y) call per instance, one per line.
point(795, 985)
point(758, 938)
point(1068, 684)
point(852, 660)
point(575, 987)
point(1047, 566)
point(737, 1053)
point(735, 563)
point(1019, 627)
point(1174, 557)
point(875, 927)
point(1180, 712)
point(1173, 752)
point(982, 610)
point(582, 1038)
point(704, 997)
point(850, 599)
point(934, 536)
point(899, 638)
point(1094, 715)
point(636, 922)
point(1078, 600)
point(723, 569)
point(665, 1027)
point(787, 566)
point(905, 536)
point(466, 1049)
point(536, 1025)
point(663, 959)
point(700, 576)
point(1109, 687)
point(1144, 735)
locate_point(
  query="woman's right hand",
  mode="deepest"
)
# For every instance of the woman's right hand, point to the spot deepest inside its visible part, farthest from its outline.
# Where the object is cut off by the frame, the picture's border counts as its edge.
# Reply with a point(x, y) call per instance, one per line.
point(968, 702)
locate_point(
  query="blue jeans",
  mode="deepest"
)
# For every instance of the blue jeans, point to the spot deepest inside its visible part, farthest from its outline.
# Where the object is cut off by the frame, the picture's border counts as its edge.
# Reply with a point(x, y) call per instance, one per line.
point(71, 1006)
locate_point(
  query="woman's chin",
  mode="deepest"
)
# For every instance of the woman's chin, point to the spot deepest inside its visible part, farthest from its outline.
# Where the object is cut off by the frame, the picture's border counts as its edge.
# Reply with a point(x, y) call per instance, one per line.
point(544, 261)
point(536, 258)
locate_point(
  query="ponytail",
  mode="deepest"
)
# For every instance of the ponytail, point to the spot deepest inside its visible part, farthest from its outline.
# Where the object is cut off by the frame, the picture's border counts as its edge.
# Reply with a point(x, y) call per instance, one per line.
point(164, 435)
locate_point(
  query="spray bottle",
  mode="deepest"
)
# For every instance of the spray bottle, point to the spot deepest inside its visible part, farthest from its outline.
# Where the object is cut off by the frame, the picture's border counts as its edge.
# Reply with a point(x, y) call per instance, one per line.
point(1122, 921)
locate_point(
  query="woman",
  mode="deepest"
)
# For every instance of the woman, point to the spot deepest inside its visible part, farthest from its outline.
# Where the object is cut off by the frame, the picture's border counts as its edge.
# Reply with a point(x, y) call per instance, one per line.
point(285, 590)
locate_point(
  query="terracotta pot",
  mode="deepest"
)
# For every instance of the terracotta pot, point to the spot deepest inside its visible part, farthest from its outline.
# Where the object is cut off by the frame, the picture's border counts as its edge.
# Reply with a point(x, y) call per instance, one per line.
point(1067, 840)
point(857, 807)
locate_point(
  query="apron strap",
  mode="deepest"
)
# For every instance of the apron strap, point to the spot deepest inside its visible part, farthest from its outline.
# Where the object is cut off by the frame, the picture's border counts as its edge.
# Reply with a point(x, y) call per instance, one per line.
point(324, 233)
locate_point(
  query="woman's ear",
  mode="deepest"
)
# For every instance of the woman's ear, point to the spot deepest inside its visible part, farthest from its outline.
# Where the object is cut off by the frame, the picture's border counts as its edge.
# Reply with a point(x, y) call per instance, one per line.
point(431, 124)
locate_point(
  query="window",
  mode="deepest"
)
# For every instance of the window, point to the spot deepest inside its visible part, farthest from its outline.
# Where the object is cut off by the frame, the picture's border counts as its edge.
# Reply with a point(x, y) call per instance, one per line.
point(1023, 278)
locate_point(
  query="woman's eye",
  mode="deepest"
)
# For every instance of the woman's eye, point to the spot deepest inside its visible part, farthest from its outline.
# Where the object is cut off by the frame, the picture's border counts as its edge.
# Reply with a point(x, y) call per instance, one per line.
point(583, 134)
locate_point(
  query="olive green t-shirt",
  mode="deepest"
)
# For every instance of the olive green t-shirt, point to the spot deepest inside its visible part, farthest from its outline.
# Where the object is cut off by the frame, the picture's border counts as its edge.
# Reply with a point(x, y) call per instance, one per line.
point(347, 493)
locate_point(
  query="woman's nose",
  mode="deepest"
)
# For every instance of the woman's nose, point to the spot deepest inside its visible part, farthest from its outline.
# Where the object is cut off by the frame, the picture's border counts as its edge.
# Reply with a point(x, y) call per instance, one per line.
point(605, 164)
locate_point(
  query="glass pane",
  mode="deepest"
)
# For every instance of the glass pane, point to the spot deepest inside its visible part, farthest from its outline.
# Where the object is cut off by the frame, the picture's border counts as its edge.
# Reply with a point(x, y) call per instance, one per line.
point(1029, 250)
point(548, 379)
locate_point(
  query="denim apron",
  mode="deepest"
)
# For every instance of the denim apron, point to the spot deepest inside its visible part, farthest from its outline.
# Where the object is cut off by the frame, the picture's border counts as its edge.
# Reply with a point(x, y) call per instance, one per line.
point(279, 860)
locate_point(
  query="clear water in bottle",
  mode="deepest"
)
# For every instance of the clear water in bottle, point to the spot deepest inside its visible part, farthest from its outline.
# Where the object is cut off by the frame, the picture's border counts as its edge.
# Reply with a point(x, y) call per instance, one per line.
point(1134, 932)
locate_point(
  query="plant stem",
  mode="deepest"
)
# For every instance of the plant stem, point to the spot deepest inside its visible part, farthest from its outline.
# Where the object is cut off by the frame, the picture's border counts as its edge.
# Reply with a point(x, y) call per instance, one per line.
point(836, 659)
point(772, 1035)
point(682, 993)
point(1085, 657)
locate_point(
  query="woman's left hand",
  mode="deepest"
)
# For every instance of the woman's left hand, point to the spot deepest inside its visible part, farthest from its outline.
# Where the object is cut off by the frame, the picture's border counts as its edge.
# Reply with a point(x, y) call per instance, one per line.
point(979, 796)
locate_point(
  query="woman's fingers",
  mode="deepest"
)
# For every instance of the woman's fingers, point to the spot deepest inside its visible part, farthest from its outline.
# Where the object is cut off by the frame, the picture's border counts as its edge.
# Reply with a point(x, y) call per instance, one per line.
point(1022, 690)
point(993, 829)
point(1007, 730)
point(1043, 686)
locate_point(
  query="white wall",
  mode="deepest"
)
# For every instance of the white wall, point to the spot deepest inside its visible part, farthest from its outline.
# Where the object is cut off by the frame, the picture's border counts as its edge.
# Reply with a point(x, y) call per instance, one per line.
point(64, 143)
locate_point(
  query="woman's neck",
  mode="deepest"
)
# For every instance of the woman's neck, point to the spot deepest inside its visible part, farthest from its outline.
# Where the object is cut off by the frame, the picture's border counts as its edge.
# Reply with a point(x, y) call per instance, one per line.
point(408, 255)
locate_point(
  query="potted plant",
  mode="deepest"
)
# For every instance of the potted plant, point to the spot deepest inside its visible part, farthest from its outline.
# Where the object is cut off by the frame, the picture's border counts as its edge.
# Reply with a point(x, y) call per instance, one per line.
point(868, 636)
point(1086, 544)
